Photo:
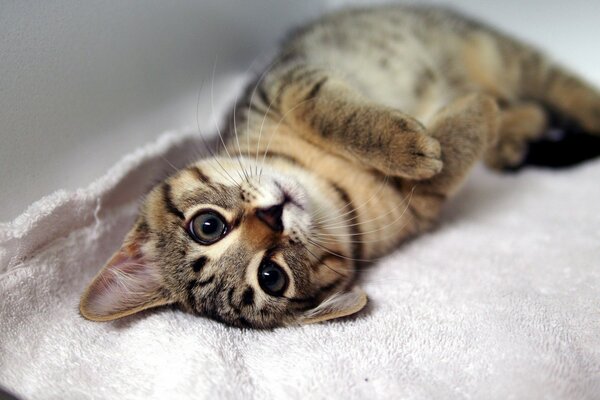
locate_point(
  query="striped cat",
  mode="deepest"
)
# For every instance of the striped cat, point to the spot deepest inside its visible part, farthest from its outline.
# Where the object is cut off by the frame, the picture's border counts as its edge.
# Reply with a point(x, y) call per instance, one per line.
point(349, 143)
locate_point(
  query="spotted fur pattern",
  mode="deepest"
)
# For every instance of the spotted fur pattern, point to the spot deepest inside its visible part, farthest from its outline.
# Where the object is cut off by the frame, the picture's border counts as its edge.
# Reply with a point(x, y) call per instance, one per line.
point(361, 128)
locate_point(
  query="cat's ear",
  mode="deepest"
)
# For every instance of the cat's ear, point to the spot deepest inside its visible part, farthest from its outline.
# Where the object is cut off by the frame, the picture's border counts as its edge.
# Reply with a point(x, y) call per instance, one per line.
point(339, 305)
point(127, 284)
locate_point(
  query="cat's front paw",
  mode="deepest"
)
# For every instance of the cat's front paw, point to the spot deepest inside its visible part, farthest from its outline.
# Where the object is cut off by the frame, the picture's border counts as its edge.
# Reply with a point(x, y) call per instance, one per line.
point(397, 145)
point(410, 152)
point(415, 156)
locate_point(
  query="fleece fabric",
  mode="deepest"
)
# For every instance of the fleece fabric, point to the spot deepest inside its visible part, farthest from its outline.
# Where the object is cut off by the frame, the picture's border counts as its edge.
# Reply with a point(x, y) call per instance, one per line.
point(501, 301)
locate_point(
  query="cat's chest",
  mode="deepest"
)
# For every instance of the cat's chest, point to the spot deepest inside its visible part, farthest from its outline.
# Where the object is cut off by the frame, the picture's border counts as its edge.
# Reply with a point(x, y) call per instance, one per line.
point(376, 210)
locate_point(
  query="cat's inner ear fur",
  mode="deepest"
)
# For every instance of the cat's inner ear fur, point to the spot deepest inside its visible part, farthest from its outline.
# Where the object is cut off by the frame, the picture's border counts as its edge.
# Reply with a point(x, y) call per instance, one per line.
point(127, 284)
point(338, 305)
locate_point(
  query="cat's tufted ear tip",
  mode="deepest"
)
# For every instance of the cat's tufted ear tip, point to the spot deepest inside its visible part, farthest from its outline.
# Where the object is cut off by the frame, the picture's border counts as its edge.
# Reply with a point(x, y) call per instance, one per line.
point(126, 284)
point(341, 304)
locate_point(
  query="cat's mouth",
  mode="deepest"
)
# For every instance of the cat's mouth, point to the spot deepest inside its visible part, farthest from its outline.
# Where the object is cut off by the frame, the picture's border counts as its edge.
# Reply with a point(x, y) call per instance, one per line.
point(292, 203)
point(288, 197)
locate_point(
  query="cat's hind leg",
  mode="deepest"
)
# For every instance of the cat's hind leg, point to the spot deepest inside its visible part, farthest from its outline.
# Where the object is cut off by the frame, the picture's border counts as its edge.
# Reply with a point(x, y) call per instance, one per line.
point(569, 95)
point(520, 124)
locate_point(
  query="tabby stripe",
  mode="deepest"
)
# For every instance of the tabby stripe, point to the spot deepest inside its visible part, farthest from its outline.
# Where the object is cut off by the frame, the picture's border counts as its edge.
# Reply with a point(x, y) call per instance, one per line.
point(286, 80)
point(191, 297)
point(306, 304)
point(199, 263)
point(304, 74)
point(350, 119)
point(193, 284)
point(315, 89)
point(259, 110)
point(230, 301)
point(287, 57)
point(312, 301)
point(244, 322)
point(272, 154)
point(262, 93)
point(170, 206)
point(329, 286)
point(300, 299)
point(200, 175)
point(248, 296)
point(142, 226)
point(326, 256)
point(287, 157)
point(206, 281)
point(214, 294)
point(212, 314)
point(357, 247)
point(237, 220)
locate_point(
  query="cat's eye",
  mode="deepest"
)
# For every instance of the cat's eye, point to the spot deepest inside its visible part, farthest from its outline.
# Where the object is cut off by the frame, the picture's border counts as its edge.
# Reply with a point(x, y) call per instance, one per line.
point(271, 278)
point(207, 227)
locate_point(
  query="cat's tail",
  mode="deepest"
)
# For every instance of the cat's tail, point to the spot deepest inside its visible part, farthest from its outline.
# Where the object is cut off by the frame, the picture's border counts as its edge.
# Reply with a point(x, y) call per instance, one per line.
point(573, 109)
point(560, 90)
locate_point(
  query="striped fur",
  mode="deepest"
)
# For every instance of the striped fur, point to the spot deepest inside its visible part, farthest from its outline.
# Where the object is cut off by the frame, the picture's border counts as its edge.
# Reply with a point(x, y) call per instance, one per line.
point(361, 128)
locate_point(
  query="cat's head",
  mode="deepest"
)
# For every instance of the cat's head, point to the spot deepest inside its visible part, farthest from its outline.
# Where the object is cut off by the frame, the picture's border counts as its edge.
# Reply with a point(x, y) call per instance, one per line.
point(236, 242)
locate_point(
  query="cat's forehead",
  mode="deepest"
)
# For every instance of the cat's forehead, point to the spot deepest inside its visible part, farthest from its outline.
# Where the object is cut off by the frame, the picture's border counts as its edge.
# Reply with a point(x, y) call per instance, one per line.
point(201, 184)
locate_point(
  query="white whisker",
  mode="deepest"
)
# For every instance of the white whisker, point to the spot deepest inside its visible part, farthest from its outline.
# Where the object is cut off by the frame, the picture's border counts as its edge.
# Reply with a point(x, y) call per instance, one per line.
point(275, 129)
point(375, 230)
point(374, 195)
point(208, 147)
point(212, 87)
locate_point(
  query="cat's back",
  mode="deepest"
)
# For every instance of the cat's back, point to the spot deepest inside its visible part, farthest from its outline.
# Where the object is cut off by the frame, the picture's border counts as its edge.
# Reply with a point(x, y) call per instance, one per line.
point(405, 56)
point(354, 27)
point(381, 33)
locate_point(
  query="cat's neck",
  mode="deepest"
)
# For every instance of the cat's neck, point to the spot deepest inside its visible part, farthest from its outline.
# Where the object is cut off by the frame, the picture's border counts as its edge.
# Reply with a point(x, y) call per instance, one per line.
point(375, 209)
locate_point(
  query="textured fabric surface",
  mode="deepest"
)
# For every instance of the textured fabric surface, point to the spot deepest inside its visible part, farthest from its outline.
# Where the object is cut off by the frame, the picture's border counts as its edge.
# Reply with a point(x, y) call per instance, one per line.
point(501, 301)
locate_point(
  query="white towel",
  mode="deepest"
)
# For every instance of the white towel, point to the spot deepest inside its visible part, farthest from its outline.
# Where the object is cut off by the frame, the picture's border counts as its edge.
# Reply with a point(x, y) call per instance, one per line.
point(501, 301)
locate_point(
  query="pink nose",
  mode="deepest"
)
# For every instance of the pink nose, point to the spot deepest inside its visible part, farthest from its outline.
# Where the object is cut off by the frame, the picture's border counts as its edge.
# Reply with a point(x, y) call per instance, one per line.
point(272, 217)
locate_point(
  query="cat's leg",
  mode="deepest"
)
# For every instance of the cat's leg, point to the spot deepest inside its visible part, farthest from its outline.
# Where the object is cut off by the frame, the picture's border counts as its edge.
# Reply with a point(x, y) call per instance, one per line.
point(523, 73)
point(328, 111)
point(512, 70)
point(519, 125)
point(568, 94)
point(465, 128)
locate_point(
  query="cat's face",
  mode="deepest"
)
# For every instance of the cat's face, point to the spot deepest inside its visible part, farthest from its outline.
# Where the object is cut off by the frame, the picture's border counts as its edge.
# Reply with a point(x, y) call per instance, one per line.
point(236, 241)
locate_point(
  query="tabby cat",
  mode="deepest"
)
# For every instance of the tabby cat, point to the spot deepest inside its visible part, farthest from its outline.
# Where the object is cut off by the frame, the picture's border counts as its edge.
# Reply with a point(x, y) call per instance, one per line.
point(348, 144)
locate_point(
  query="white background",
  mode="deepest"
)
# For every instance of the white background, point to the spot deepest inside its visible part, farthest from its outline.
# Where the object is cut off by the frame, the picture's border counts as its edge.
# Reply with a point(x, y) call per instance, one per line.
point(83, 83)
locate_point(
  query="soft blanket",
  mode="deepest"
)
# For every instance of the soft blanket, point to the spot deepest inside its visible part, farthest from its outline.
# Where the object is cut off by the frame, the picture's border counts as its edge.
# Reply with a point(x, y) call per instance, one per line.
point(501, 301)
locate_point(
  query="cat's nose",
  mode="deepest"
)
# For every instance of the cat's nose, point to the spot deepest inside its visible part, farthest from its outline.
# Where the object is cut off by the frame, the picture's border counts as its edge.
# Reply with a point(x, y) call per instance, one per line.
point(272, 216)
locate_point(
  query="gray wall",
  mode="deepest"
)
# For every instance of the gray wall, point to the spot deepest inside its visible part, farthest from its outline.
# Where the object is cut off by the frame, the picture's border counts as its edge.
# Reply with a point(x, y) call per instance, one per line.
point(83, 83)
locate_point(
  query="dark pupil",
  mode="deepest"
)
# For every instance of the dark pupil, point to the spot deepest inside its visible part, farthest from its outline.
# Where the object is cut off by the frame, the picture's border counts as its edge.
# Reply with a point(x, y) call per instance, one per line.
point(207, 228)
point(271, 277)
point(210, 226)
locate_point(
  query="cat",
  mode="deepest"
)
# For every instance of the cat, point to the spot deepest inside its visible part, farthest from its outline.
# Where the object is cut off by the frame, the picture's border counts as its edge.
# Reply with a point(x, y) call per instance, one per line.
point(349, 143)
